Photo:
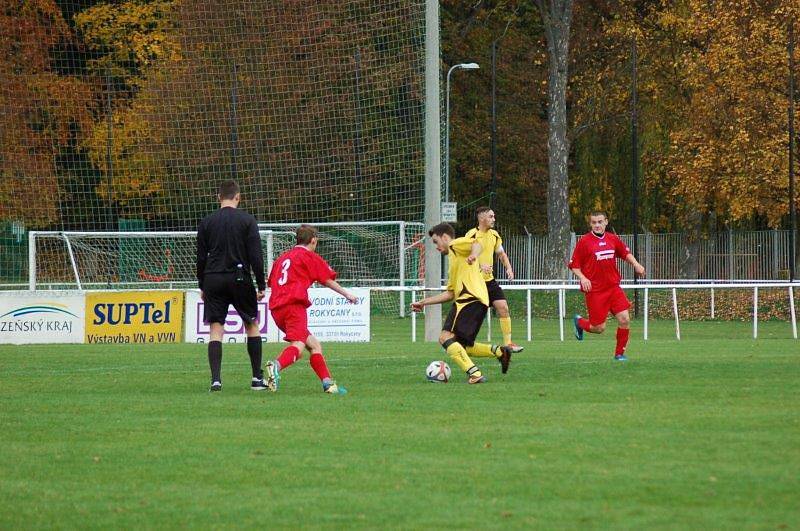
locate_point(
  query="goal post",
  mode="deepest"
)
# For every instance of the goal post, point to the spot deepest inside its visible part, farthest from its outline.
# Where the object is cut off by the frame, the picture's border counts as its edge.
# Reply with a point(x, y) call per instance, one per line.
point(113, 260)
point(364, 254)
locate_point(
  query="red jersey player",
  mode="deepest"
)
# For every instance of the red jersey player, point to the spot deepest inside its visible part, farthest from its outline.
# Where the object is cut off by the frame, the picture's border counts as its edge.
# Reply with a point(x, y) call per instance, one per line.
point(594, 263)
point(291, 276)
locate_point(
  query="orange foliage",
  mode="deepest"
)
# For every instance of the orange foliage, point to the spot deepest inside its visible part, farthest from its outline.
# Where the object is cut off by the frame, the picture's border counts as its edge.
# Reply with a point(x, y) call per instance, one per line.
point(44, 112)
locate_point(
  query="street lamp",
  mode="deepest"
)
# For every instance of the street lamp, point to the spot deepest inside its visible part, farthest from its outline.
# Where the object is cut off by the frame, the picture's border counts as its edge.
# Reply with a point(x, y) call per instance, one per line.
point(465, 66)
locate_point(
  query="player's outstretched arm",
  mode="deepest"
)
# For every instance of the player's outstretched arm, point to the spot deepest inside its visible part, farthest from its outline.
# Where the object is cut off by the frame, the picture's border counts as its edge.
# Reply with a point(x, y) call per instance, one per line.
point(435, 299)
point(335, 286)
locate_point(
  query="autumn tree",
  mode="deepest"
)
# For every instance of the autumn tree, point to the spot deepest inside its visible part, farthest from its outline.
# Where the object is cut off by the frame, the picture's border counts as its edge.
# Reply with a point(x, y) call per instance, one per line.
point(468, 31)
point(713, 104)
point(126, 44)
point(44, 114)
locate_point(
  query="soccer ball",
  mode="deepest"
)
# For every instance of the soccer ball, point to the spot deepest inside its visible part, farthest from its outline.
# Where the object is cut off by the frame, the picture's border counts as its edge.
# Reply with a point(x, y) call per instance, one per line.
point(438, 372)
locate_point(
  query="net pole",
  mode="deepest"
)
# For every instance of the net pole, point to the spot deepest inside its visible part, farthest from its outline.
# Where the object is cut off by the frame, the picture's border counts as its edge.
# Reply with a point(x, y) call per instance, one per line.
point(675, 311)
point(433, 170)
point(32, 260)
point(270, 252)
point(72, 261)
point(112, 211)
point(646, 311)
point(561, 314)
point(402, 266)
point(493, 186)
point(528, 297)
point(413, 318)
point(713, 307)
point(791, 310)
point(634, 171)
point(755, 312)
point(792, 206)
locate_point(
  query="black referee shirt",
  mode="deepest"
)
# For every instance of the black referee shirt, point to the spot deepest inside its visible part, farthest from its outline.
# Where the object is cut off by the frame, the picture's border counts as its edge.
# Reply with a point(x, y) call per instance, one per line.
point(226, 238)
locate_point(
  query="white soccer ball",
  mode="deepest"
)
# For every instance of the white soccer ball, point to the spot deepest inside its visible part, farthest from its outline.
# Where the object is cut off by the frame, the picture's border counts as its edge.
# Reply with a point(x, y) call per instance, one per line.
point(438, 372)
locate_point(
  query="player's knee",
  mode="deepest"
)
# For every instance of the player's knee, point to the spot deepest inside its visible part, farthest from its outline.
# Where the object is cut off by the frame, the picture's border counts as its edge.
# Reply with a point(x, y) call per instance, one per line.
point(599, 328)
point(501, 307)
point(313, 344)
point(252, 330)
point(445, 337)
point(624, 321)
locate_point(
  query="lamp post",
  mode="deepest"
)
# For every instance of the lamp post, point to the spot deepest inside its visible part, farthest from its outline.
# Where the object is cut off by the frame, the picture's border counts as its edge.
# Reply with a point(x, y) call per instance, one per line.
point(465, 66)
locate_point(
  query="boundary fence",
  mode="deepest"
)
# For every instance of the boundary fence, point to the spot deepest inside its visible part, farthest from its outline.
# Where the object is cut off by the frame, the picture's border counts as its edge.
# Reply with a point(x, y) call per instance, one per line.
point(562, 288)
point(730, 255)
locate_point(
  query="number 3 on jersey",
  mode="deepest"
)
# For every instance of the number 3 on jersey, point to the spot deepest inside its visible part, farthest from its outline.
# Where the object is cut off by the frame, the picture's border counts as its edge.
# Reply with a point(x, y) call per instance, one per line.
point(284, 272)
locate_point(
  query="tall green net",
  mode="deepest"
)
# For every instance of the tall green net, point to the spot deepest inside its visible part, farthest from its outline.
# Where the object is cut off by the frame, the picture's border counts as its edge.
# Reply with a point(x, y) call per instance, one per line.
point(127, 115)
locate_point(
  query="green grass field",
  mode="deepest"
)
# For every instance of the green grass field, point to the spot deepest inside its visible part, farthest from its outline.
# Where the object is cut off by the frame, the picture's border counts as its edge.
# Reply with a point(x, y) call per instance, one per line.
point(704, 432)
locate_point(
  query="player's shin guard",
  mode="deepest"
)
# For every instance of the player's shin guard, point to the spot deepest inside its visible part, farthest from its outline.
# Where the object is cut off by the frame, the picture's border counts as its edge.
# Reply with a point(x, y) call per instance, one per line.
point(622, 340)
point(317, 362)
point(505, 328)
point(481, 350)
point(215, 360)
point(254, 351)
point(289, 355)
point(459, 355)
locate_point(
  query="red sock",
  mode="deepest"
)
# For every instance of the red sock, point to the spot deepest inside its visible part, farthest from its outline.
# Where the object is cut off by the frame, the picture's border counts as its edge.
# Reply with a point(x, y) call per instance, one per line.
point(622, 340)
point(289, 355)
point(318, 364)
point(584, 323)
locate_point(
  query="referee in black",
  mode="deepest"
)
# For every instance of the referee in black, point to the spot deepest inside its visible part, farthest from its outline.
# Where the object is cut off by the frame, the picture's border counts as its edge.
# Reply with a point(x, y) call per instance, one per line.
point(228, 248)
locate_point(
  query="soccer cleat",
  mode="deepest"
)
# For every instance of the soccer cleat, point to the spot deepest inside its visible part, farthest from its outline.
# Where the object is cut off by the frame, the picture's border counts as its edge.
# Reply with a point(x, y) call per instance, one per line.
point(476, 379)
point(215, 386)
point(505, 358)
point(273, 379)
point(258, 384)
point(578, 329)
point(620, 357)
point(333, 389)
point(515, 348)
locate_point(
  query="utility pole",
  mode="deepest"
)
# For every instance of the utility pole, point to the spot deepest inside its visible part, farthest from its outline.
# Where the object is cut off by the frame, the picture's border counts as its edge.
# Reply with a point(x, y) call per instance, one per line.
point(634, 169)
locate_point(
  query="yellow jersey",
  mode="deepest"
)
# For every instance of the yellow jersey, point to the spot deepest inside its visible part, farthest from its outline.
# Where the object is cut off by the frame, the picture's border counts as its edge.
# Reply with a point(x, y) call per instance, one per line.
point(463, 279)
point(491, 242)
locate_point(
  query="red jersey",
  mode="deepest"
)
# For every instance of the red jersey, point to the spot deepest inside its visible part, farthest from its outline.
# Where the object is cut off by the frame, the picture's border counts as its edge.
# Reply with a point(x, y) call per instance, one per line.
point(292, 274)
point(595, 257)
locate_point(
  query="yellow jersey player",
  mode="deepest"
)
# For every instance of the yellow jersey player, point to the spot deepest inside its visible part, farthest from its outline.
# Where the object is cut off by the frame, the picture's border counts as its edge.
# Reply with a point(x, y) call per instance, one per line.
point(492, 244)
point(467, 289)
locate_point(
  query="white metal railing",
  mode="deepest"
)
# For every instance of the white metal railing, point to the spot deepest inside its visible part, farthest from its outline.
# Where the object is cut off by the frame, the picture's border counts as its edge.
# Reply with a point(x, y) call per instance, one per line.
point(562, 288)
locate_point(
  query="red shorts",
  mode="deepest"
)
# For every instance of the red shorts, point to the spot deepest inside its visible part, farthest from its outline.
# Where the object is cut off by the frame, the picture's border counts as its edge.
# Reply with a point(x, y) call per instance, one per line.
point(600, 303)
point(292, 319)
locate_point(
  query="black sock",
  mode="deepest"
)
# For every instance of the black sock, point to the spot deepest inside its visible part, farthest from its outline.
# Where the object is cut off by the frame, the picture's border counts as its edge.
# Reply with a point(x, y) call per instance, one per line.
point(254, 350)
point(215, 360)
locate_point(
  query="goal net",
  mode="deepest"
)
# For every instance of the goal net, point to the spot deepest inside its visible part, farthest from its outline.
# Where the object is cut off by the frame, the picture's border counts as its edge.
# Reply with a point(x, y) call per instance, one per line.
point(363, 254)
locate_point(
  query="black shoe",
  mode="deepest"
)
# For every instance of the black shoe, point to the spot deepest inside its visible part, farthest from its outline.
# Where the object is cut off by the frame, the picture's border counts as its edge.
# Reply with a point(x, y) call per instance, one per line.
point(258, 384)
point(505, 358)
point(215, 386)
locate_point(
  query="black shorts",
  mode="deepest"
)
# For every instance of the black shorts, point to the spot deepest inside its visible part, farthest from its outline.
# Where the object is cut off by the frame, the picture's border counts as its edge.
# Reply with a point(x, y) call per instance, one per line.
point(464, 321)
point(495, 291)
point(221, 290)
